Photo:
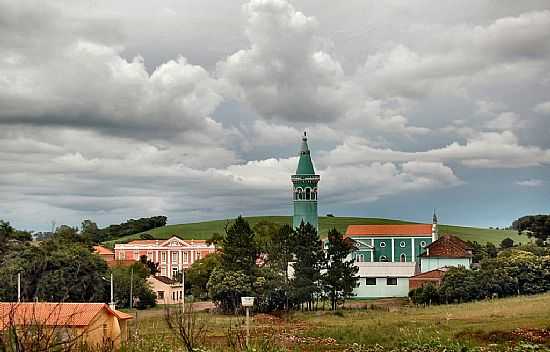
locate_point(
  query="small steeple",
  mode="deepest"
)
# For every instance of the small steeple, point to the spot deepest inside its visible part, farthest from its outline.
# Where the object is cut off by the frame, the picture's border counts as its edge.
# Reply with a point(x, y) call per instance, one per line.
point(435, 234)
point(305, 165)
point(434, 219)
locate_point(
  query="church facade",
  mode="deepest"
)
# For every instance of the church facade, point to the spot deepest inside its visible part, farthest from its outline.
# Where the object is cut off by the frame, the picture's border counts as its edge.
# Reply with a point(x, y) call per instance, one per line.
point(390, 256)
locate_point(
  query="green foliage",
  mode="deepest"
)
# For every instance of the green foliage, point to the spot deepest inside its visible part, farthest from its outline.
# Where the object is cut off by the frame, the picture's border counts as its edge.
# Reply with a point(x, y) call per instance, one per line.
point(535, 225)
point(340, 278)
point(239, 248)
point(11, 238)
point(93, 234)
point(309, 260)
point(507, 243)
point(135, 276)
point(226, 287)
point(514, 272)
point(199, 274)
point(265, 231)
point(55, 270)
point(151, 265)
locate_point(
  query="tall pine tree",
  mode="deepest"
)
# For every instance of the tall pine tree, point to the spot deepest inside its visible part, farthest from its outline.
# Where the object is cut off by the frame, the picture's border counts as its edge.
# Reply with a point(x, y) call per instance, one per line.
point(240, 248)
point(309, 259)
point(340, 278)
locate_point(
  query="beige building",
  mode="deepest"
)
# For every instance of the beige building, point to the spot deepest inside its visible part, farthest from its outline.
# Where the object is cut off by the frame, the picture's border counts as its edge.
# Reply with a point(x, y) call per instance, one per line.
point(168, 291)
point(92, 323)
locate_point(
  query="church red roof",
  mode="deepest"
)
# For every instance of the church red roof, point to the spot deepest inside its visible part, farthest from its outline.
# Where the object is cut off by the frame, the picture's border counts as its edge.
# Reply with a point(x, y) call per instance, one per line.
point(404, 230)
point(448, 246)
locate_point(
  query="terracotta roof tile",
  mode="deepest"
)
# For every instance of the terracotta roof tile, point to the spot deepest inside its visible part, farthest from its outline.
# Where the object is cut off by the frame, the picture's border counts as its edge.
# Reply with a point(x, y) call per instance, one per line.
point(53, 314)
point(145, 241)
point(448, 246)
point(102, 250)
point(389, 230)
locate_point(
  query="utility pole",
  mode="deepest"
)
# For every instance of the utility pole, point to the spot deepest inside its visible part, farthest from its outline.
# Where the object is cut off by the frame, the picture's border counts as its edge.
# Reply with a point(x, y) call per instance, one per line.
point(112, 304)
point(131, 286)
point(18, 287)
point(182, 291)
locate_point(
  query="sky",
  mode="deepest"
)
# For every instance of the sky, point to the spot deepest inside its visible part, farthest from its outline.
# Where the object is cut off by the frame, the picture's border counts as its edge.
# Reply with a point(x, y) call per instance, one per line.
point(194, 109)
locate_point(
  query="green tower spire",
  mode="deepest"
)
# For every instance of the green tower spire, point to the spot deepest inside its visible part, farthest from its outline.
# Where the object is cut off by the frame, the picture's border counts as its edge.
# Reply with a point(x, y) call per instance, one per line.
point(305, 195)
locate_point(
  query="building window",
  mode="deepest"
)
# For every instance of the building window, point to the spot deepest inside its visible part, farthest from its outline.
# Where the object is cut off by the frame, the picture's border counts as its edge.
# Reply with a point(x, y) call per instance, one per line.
point(370, 281)
point(423, 244)
point(174, 256)
point(163, 256)
point(173, 296)
point(174, 272)
point(383, 258)
point(198, 255)
point(136, 255)
point(391, 281)
point(359, 258)
point(121, 255)
point(150, 256)
point(160, 294)
point(403, 257)
point(402, 244)
point(181, 294)
point(382, 244)
point(104, 330)
point(308, 193)
point(185, 257)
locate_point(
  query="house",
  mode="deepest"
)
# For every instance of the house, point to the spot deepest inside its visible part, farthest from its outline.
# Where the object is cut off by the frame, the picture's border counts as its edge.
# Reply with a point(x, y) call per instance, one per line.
point(105, 253)
point(447, 251)
point(90, 323)
point(434, 277)
point(173, 255)
point(388, 256)
point(168, 291)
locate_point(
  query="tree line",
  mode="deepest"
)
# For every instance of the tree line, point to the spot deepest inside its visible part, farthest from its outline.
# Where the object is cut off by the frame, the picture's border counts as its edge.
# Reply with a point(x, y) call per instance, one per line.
point(63, 268)
point(284, 268)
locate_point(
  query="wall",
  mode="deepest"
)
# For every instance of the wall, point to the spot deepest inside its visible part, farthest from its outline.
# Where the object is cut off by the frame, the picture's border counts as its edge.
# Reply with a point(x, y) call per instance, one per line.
point(431, 263)
point(381, 289)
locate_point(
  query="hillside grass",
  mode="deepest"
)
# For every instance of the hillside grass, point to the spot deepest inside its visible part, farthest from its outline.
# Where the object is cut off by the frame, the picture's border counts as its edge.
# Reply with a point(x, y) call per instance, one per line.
point(204, 230)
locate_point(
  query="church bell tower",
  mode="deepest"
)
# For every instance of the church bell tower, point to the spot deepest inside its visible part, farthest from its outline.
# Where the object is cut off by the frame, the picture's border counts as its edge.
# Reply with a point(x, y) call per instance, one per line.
point(305, 193)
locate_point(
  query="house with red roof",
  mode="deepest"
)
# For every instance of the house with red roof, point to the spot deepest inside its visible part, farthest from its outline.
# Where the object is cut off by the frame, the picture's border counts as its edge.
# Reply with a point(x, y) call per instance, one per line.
point(91, 323)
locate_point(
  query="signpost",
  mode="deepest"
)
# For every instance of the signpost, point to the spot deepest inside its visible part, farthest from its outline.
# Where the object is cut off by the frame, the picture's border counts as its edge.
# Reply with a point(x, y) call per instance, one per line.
point(247, 302)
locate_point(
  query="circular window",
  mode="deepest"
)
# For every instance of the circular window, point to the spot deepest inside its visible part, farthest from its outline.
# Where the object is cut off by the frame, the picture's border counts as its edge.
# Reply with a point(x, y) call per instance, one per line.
point(423, 244)
point(382, 244)
point(402, 244)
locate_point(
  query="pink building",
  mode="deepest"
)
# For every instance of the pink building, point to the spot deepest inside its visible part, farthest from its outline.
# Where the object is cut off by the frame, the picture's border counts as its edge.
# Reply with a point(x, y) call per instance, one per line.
point(172, 255)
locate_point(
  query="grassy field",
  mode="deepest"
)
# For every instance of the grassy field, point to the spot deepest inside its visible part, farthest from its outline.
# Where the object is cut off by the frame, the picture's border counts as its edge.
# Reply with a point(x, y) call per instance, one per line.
point(472, 324)
point(204, 230)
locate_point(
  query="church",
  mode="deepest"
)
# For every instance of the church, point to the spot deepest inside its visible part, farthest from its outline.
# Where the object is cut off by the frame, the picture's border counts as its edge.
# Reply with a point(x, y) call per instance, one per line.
point(392, 259)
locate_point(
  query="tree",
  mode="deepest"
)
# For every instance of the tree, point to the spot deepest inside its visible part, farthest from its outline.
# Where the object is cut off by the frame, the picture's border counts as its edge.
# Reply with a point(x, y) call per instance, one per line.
point(507, 243)
point(133, 278)
point(535, 225)
point(279, 255)
point(226, 287)
point(340, 278)
point(309, 259)
point(199, 274)
point(239, 248)
point(91, 232)
point(265, 231)
point(150, 265)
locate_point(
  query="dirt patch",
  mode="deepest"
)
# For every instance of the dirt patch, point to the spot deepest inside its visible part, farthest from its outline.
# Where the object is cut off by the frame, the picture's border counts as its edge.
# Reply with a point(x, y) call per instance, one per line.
point(539, 336)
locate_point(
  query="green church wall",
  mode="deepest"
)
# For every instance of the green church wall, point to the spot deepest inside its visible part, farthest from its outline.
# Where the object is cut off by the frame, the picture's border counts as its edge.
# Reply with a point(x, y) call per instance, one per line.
point(382, 248)
point(406, 250)
point(419, 246)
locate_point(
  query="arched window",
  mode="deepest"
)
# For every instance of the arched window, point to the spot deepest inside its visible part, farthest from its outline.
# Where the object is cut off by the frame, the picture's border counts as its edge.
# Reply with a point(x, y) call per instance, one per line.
point(383, 258)
point(314, 194)
point(403, 257)
point(308, 193)
point(300, 193)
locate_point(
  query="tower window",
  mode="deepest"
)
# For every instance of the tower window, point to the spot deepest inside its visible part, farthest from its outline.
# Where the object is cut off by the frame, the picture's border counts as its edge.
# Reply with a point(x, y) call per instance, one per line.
point(308, 193)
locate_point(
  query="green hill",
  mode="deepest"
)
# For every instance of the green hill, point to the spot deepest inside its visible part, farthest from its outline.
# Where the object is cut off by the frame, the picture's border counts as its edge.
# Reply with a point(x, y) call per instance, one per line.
point(204, 230)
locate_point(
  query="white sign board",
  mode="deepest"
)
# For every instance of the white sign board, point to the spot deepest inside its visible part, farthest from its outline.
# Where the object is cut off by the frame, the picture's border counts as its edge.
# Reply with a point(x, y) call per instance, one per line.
point(247, 301)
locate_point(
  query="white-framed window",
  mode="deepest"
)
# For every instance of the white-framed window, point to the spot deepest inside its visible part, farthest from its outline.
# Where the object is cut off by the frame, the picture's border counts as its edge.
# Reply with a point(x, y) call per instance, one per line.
point(370, 281)
point(383, 258)
point(121, 255)
point(402, 244)
point(308, 193)
point(198, 255)
point(423, 244)
point(360, 258)
point(391, 281)
point(185, 257)
point(163, 256)
point(382, 244)
point(174, 271)
point(403, 257)
point(174, 256)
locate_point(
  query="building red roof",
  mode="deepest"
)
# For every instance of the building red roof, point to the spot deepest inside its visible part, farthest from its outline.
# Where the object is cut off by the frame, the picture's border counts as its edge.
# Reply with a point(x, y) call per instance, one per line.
point(448, 246)
point(144, 241)
point(53, 314)
point(404, 230)
point(103, 250)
